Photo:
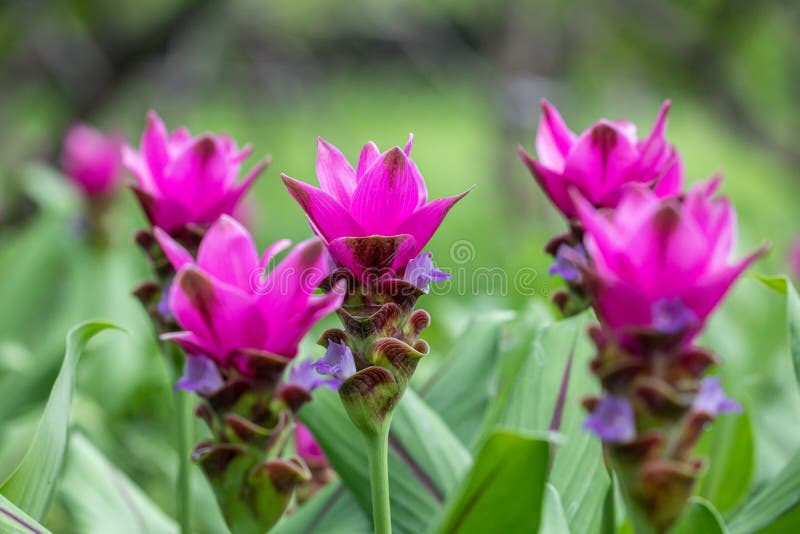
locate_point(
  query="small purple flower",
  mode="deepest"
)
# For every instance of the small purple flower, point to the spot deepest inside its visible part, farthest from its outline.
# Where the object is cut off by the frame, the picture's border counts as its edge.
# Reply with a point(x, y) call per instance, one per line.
point(200, 375)
point(672, 316)
point(612, 420)
point(304, 375)
point(162, 307)
point(711, 399)
point(421, 272)
point(338, 361)
point(569, 264)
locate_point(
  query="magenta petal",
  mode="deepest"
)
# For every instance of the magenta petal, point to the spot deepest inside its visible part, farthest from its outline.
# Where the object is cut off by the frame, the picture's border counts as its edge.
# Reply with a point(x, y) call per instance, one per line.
point(137, 166)
point(328, 218)
point(654, 146)
point(387, 194)
point(273, 250)
point(670, 183)
point(374, 255)
point(336, 176)
point(189, 342)
point(198, 176)
point(154, 146)
point(553, 138)
point(422, 224)
point(222, 316)
point(554, 185)
point(409, 144)
point(175, 253)
point(228, 253)
point(368, 156)
point(601, 160)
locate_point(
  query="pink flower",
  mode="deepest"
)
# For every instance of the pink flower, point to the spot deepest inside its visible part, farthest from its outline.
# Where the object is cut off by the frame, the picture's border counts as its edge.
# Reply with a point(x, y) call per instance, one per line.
point(91, 160)
point(602, 160)
point(661, 264)
point(307, 447)
point(185, 180)
point(227, 301)
point(384, 196)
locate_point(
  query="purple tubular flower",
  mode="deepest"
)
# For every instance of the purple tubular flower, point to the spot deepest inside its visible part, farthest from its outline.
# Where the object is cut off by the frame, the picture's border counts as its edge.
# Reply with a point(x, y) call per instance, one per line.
point(421, 272)
point(569, 263)
point(612, 420)
point(304, 375)
point(712, 401)
point(200, 375)
point(672, 316)
point(338, 361)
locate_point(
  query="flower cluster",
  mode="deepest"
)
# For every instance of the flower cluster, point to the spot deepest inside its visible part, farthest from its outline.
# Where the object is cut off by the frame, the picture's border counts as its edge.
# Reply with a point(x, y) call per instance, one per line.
point(654, 263)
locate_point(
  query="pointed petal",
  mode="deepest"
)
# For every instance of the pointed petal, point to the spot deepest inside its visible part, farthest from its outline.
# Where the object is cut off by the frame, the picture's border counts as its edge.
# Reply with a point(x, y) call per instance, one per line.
point(600, 161)
point(220, 315)
point(136, 165)
point(154, 146)
point(670, 183)
point(423, 222)
point(328, 218)
point(368, 156)
point(198, 176)
point(189, 342)
point(179, 137)
point(553, 185)
point(273, 250)
point(553, 138)
point(409, 144)
point(228, 253)
point(175, 253)
point(652, 149)
point(336, 176)
point(387, 194)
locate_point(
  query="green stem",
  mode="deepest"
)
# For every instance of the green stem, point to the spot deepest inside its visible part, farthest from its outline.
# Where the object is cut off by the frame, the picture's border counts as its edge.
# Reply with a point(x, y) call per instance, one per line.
point(183, 423)
point(378, 456)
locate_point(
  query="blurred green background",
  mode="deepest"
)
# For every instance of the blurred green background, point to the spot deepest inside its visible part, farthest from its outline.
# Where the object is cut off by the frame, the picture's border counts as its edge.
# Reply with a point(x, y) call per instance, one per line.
point(464, 76)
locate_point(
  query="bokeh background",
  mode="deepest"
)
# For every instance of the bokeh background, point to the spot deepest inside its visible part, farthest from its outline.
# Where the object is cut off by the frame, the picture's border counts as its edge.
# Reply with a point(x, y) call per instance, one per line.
point(464, 76)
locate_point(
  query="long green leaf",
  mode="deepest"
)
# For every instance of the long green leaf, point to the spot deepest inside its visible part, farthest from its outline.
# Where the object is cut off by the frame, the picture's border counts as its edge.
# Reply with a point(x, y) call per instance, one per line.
point(777, 501)
point(505, 489)
point(700, 517)
point(32, 483)
point(460, 392)
point(426, 461)
point(554, 521)
point(547, 395)
point(783, 285)
point(101, 499)
point(14, 520)
point(332, 511)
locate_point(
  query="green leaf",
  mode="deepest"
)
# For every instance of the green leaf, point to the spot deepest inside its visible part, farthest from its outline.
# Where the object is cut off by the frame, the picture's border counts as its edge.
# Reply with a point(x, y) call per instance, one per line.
point(32, 483)
point(784, 286)
point(426, 461)
point(778, 501)
point(504, 491)
point(554, 520)
point(333, 511)
point(699, 517)
point(461, 389)
point(556, 373)
point(100, 498)
point(14, 520)
point(731, 451)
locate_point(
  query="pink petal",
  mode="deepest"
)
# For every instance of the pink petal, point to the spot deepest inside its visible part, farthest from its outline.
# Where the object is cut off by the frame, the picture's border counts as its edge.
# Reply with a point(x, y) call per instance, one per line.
point(328, 218)
point(228, 253)
point(553, 138)
point(136, 165)
point(601, 160)
point(179, 137)
point(368, 156)
point(189, 342)
point(229, 202)
point(336, 176)
point(387, 194)
point(154, 146)
point(198, 176)
point(670, 183)
point(273, 250)
point(175, 253)
point(409, 144)
point(554, 185)
point(223, 317)
point(423, 223)
point(346, 253)
point(654, 146)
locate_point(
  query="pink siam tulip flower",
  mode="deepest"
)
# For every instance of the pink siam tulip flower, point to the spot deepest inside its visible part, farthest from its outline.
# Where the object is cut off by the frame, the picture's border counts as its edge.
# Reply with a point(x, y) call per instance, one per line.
point(661, 264)
point(307, 447)
point(228, 303)
point(602, 160)
point(91, 160)
point(184, 180)
point(384, 196)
